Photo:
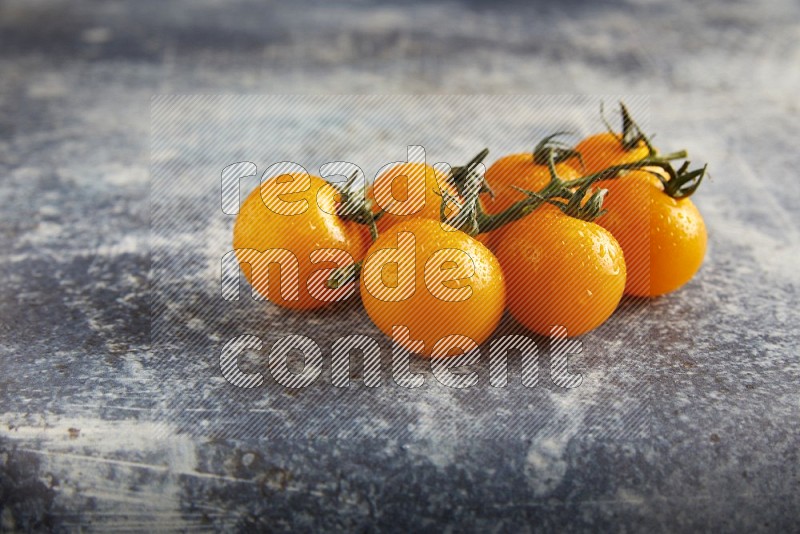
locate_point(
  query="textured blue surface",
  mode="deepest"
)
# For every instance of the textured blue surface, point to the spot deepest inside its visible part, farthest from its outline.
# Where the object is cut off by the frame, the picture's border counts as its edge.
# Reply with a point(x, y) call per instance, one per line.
point(717, 375)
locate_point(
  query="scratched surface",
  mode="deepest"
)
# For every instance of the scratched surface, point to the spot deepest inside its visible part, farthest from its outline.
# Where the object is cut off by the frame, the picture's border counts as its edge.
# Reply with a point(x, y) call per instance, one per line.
point(688, 414)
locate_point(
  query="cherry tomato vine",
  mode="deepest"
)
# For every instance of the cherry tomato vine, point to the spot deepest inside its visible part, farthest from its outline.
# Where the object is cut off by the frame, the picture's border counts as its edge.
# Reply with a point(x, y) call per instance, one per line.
point(544, 213)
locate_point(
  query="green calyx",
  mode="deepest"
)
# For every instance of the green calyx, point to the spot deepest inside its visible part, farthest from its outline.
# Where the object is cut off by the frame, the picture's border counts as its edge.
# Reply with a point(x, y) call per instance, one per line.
point(684, 182)
point(631, 134)
point(469, 183)
point(550, 147)
point(355, 206)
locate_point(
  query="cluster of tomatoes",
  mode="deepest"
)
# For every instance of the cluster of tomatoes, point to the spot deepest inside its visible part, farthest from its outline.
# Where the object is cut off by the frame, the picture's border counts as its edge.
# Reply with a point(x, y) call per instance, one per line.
point(556, 236)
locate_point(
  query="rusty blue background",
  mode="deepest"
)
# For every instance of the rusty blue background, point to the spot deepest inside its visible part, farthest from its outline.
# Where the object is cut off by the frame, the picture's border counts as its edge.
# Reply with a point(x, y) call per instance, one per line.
point(79, 446)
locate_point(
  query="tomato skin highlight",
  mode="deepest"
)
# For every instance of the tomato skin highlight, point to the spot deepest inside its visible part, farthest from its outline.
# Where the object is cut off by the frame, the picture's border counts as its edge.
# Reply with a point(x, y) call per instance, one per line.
point(664, 239)
point(520, 170)
point(560, 271)
point(397, 184)
point(259, 227)
point(604, 150)
point(427, 317)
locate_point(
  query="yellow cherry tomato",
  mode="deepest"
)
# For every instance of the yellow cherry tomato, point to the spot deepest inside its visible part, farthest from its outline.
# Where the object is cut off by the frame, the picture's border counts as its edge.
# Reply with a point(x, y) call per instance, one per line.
point(560, 271)
point(663, 239)
point(433, 280)
point(290, 220)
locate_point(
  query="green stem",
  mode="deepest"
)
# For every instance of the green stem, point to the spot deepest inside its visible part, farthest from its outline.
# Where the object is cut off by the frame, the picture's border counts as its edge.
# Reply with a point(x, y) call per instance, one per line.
point(680, 184)
point(681, 154)
point(373, 228)
point(343, 275)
